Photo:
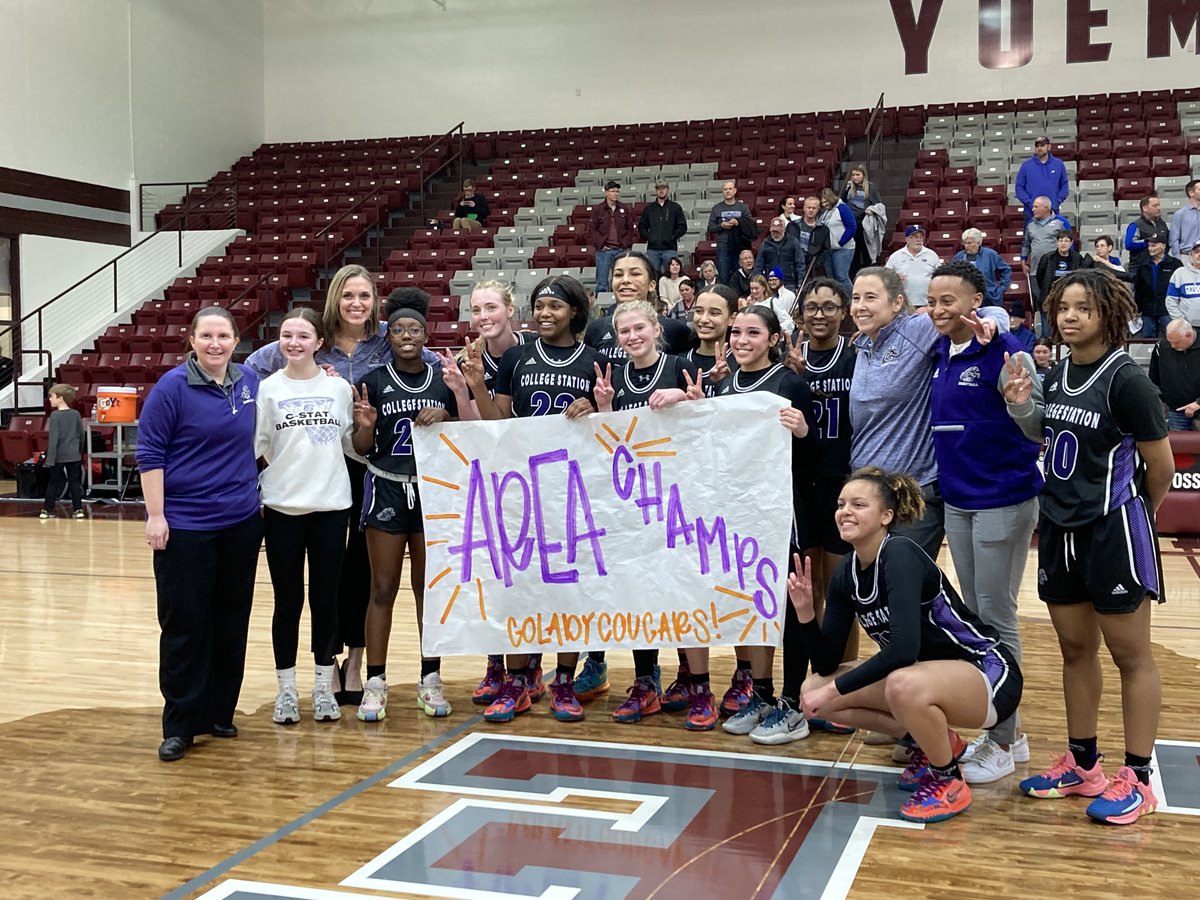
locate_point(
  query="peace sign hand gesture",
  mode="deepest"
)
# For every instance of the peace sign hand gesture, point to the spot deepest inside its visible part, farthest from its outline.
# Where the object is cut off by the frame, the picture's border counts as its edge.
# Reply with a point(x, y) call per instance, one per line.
point(364, 413)
point(603, 390)
point(985, 329)
point(720, 368)
point(1019, 387)
point(451, 374)
point(695, 389)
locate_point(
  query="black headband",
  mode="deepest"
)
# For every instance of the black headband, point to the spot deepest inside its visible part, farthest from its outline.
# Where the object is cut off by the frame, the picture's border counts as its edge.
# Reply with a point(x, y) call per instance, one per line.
point(406, 314)
point(553, 289)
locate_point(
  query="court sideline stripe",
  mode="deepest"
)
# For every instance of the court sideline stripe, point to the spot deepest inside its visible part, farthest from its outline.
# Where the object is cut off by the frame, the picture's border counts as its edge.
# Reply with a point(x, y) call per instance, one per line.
point(316, 812)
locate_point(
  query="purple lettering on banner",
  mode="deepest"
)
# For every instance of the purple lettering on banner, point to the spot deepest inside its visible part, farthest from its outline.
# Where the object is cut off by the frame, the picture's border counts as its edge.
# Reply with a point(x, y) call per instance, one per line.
point(677, 524)
point(578, 502)
point(476, 501)
point(624, 488)
point(706, 537)
point(650, 500)
point(523, 543)
point(771, 609)
point(545, 548)
point(745, 554)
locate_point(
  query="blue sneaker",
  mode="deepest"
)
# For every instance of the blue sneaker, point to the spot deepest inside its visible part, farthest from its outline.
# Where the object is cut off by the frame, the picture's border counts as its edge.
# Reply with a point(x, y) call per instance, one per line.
point(592, 680)
point(1065, 779)
point(749, 717)
point(1125, 801)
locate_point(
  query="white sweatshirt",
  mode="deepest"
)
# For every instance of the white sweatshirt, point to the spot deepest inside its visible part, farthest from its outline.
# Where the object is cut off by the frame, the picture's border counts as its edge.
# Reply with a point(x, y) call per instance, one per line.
point(303, 431)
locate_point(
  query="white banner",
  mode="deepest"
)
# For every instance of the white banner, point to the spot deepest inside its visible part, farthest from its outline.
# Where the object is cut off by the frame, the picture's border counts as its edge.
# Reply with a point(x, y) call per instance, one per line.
point(617, 530)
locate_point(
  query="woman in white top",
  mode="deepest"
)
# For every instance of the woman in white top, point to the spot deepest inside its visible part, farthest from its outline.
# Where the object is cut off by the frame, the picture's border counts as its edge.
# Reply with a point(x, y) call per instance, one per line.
point(668, 284)
point(305, 419)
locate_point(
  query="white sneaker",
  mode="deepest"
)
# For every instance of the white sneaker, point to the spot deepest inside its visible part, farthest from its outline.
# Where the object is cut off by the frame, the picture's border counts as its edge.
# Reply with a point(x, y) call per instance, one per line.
point(374, 701)
point(430, 698)
point(325, 705)
point(1019, 748)
point(287, 707)
point(987, 764)
point(747, 719)
point(782, 725)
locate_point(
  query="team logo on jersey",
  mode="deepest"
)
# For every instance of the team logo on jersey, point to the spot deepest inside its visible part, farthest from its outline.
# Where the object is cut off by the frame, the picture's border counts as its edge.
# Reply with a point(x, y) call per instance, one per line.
point(1053, 387)
point(246, 398)
point(970, 377)
point(388, 389)
point(890, 355)
point(386, 514)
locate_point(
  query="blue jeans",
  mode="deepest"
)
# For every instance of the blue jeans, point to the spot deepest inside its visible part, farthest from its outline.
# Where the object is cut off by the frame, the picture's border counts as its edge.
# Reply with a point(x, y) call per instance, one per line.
point(726, 260)
point(838, 266)
point(660, 258)
point(604, 264)
point(1177, 421)
point(1154, 326)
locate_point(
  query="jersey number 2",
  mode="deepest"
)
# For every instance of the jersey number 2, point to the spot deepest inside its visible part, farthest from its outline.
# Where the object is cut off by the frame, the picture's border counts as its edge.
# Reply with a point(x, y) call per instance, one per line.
point(543, 405)
point(403, 445)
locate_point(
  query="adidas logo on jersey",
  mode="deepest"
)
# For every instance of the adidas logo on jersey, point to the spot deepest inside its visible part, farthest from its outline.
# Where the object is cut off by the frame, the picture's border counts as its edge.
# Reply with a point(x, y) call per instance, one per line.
point(531, 361)
point(387, 389)
point(1053, 387)
point(608, 336)
point(1119, 590)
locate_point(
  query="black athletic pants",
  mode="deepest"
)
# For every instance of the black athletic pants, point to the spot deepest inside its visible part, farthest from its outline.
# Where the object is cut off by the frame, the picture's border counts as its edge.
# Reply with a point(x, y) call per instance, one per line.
point(69, 474)
point(205, 582)
point(321, 537)
point(354, 585)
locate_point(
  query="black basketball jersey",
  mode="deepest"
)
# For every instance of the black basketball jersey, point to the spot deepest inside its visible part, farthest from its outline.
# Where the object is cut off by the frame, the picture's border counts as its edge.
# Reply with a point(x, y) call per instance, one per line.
point(544, 380)
point(1091, 466)
point(828, 373)
point(705, 362)
point(602, 336)
point(632, 387)
point(491, 364)
point(398, 397)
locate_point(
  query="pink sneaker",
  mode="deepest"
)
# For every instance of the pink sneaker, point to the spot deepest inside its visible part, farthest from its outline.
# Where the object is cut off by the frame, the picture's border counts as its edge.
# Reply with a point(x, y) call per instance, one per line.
point(1065, 779)
point(1125, 801)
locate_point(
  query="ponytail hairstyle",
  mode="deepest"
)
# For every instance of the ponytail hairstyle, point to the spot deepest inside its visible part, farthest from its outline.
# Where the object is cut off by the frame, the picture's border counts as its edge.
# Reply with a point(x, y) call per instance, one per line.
point(310, 316)
point(776, 352)
point(898, 492)
point(730, 297)
point(891, 283)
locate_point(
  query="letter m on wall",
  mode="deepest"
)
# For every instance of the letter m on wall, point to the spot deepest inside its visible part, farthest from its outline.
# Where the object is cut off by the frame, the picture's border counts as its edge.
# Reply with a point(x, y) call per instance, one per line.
point(1163, 16)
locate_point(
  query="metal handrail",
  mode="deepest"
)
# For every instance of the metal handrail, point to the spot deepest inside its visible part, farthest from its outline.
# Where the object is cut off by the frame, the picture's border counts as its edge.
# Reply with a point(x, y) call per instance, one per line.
point(376, 195)
point(875, 141)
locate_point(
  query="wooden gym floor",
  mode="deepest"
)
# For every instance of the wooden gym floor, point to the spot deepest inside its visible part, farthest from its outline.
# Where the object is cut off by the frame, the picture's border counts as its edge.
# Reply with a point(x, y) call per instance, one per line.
point(416, 807)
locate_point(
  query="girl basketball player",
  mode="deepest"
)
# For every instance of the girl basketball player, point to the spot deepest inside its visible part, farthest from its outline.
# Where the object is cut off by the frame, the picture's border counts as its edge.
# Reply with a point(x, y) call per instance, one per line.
point(406, 393)
point(937, 664)
point(758, 347)
point(492, 313)
point(987, 456)
point(303, 426)
point(658, 380)
point(1108, 465)
point(560, 308)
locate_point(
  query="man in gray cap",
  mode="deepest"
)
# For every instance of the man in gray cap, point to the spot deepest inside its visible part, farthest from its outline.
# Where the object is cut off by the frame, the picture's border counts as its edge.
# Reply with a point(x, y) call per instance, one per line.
point(661, 226)
point(781, 250)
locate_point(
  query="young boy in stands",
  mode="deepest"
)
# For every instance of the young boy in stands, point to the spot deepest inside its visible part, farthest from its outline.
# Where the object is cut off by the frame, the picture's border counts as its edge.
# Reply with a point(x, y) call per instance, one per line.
point(64, 456)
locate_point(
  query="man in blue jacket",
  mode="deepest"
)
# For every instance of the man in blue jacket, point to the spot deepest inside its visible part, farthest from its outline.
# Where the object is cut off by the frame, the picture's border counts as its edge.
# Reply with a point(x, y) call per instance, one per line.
point(1043, 174)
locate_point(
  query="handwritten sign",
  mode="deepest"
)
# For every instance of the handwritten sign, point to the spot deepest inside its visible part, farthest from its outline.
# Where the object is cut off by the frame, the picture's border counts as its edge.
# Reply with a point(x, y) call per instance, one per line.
point(618, 530)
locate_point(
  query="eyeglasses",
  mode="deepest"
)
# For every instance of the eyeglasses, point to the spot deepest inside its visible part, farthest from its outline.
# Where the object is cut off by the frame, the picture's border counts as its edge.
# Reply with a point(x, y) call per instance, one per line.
point(827, 309)
point(410, 330)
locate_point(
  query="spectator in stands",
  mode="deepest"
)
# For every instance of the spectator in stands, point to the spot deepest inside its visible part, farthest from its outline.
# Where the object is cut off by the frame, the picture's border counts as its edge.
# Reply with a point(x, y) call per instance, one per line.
point(997, 274)
point(1104, 255)
point(668, 284)
point(682, 309)
point(839, 219)
point(1185, 221)
point(781, 251)
point(813, 237)
point(859, 194)
point(1064, 259)
point(1175, 368)
point(1018, 328)
point(735, 229)
point(195, 451)
point(1151, 280)
point(1142, 229)
point(610, 232)
point(1183, 293)
point(708, 277)
point(914, 263)
point(1043, 356)
point(781, 300)
point(789, 208)
point(471, 209)
point(661, 226)
point(1041, 236)
point(740, 280)
point(1042, 175)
